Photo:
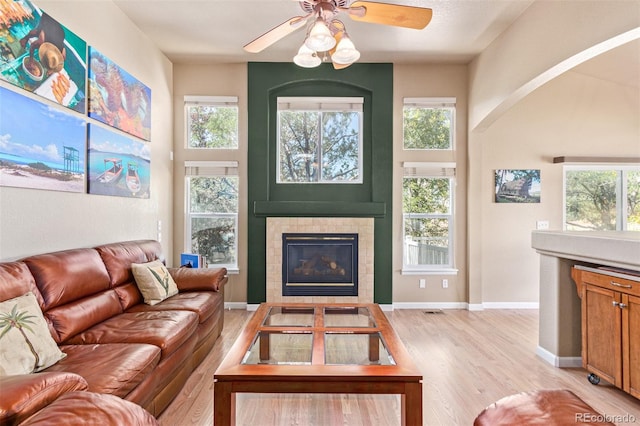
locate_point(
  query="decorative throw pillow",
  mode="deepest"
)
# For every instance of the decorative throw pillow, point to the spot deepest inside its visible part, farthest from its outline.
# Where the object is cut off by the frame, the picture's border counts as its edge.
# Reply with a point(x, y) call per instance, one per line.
point(26, 346)
point(154, 281)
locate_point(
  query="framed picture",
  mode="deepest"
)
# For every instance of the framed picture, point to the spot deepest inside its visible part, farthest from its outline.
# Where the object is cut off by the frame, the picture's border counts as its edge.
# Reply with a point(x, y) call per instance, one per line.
point(40, 55)
point(118, 165)
point(517, 186)
point(116, 98)
point(41, 146)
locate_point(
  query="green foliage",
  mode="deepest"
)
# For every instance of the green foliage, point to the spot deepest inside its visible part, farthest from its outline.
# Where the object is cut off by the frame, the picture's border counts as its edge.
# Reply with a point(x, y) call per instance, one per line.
point(426, 195)
point(213, 127)
point(308, 138)
point(214, 238)
point(213, 194)
point(427, 128)
point(592, 199)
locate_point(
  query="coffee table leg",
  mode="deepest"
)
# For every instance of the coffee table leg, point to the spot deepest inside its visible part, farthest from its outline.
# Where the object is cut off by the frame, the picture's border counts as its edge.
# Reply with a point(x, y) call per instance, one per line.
point(412, 405)
point(224, 404)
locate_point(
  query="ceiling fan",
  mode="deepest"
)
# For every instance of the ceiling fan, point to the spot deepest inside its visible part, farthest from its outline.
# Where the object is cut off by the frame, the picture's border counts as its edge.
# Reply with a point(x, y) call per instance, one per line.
point(327, 36)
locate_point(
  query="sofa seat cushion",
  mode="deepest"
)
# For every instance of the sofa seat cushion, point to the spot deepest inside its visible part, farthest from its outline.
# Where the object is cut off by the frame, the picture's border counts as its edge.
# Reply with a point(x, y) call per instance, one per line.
point(24, 394)
point(167, 330)
point(89, 408)
point(113, 368)
point(203, 303)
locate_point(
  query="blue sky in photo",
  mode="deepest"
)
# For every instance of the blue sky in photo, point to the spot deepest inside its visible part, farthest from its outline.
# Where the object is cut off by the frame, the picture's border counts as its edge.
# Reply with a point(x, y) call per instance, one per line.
point(38, 131)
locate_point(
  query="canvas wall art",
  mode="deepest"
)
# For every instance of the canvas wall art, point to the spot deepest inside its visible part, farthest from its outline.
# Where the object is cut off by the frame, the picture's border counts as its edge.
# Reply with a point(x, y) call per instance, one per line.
point(517, 186)
point(41, 146)
point(118, 164)
point(116, 98)
point(40, 55)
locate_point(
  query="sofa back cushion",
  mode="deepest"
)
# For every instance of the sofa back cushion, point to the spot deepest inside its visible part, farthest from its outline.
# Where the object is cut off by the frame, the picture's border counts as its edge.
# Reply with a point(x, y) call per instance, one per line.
point(16, 280)
point(75, 290)
point(118, 257)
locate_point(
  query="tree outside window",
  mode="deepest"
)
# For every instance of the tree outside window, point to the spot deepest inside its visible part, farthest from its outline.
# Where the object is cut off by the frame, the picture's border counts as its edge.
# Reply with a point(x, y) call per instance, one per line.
point(318, 143)
point(213, 218)
point(212, 122)
point(428, 124)
point(428, 221)
point(602, 199)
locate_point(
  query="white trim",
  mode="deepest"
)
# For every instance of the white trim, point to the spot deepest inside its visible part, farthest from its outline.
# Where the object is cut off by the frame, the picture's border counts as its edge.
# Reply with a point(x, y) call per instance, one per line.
point(252, 307)
point(511, 305)
point(427, 101)
point(557, 361)
point(447, 271)
point(387, 308)
point(235, 305)
point(428, 164)
point(473, 307)
point(209, 100)
point(211, 164)
point(430, 305)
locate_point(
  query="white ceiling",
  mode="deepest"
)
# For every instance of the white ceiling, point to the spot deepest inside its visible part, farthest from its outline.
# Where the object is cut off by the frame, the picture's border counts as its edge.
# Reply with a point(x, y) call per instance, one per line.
point(214, 31)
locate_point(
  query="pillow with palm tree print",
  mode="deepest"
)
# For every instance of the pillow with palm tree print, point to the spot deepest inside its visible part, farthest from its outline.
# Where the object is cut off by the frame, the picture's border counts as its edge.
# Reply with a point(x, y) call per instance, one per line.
point(154, 281)
point(26, 346)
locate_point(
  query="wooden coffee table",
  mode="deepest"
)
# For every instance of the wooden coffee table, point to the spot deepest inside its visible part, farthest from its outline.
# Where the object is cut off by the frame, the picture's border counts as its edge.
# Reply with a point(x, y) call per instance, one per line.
point(318, 348)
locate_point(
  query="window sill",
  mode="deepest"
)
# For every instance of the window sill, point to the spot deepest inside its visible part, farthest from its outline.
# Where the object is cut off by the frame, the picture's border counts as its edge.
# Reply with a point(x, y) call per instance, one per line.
point(230, 270)
point(443, 271)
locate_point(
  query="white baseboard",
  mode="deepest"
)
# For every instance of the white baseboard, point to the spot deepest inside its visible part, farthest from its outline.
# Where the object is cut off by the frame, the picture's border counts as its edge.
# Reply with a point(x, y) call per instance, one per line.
point(511, 305)
point(559, 361)
point(235, 305)
point(430, 305)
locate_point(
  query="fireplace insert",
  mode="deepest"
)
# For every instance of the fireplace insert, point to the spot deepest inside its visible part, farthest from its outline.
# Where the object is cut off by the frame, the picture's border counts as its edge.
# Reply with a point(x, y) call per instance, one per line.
point(319, 264)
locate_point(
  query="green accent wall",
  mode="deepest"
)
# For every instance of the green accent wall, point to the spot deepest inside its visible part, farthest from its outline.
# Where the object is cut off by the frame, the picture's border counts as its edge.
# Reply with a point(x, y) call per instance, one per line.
point(371, 198)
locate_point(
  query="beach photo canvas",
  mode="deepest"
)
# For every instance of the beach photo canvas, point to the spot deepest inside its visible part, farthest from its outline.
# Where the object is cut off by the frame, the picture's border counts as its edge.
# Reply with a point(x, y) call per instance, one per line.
point(41, 145)
point(117, 98)
point(517, 186)
point(119, 165)
point(39, 54)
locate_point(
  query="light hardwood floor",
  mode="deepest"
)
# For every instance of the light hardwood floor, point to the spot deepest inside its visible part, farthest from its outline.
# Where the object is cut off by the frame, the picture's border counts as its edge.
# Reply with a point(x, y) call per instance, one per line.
point(468, 359)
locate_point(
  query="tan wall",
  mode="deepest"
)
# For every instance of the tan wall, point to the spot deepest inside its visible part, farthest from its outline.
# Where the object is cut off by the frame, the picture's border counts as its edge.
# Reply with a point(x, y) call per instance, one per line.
point(431, 81)
point(211, 80)
point(573, 115)
point(35, 221)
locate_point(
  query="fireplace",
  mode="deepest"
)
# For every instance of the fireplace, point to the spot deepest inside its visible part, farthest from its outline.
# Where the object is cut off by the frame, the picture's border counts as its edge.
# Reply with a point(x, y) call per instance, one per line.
point(319, 264)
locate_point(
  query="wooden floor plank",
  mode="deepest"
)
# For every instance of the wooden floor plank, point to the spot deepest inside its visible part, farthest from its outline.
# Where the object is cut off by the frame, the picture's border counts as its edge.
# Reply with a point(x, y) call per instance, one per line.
point(468, 359)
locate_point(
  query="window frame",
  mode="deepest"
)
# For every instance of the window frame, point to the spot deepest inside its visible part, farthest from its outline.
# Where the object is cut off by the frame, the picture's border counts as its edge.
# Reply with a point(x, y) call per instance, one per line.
point(431, 170)
point(621, 190)
point(210, 169)
point(321, 104)
point(219, 101)
point(448, 103)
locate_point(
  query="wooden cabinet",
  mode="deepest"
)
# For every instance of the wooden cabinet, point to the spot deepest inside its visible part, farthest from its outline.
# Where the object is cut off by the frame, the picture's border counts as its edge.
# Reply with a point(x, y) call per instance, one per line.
point(610, 326)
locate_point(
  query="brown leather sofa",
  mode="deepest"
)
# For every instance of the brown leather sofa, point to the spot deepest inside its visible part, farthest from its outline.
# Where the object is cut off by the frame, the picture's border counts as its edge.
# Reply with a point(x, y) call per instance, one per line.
point(117, 347)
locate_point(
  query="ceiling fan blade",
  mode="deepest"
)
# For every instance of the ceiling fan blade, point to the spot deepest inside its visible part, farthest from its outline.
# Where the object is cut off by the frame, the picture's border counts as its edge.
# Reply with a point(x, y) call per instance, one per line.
point(390, 14)
point(275, 34)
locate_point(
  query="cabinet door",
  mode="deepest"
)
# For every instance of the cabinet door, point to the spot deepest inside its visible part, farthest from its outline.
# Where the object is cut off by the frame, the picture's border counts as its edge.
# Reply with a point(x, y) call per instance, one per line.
point(631, 344)
point(602, 333)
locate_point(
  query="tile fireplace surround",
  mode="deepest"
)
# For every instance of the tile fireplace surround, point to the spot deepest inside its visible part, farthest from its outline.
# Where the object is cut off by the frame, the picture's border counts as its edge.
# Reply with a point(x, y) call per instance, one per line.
point(276, 226)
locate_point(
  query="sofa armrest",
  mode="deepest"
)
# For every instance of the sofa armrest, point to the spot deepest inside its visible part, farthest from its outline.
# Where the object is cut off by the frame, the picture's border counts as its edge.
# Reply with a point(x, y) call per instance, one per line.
point(25, 394)
point(198, 279)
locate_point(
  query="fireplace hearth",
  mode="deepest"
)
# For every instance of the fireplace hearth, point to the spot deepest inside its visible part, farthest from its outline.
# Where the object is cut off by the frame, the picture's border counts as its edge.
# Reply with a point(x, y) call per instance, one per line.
point(319, 264)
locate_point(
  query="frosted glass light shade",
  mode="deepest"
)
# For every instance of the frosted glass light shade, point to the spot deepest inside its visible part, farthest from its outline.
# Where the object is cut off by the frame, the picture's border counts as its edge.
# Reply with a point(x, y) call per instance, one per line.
point(346, 53)
point(320, 38)
point(306, 58)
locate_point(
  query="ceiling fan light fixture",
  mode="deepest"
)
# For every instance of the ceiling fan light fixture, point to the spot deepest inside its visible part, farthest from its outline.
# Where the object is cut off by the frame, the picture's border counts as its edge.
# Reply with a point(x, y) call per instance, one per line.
point(306, 58)
point(346, 52)
point(320, 38)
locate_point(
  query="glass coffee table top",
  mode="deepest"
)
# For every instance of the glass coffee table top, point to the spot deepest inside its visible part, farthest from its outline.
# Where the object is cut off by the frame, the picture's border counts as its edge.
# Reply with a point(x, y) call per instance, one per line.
point(335, 335)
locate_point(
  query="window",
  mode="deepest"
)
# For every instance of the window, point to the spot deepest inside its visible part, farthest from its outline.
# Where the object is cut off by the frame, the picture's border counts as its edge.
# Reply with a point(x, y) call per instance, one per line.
point(429, 123)
point(600, 198)
point(212, 211)
point(319, 140)
point(211, 122)
point(427, 212)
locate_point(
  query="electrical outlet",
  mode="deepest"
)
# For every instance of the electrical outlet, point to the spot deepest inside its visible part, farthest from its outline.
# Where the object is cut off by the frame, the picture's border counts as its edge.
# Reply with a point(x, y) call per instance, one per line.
point(423, 283)
point(542, 224)
point(445, 283)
